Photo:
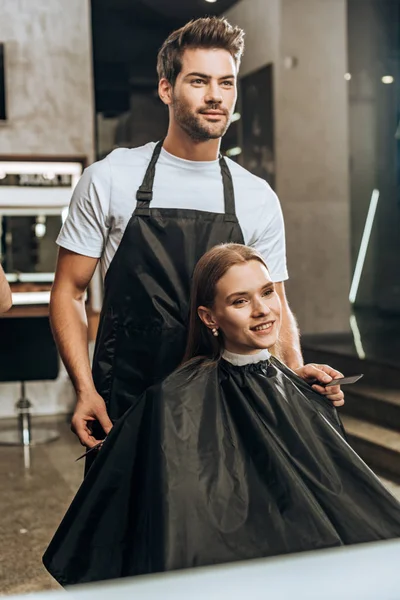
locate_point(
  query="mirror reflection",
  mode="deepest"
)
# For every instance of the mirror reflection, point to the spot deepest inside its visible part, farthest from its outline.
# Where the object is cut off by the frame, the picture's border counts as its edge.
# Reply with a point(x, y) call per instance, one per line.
point(27, 243)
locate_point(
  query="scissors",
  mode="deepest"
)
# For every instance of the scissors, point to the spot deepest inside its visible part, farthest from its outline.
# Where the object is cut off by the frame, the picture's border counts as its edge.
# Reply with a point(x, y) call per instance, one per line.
point(96, 447)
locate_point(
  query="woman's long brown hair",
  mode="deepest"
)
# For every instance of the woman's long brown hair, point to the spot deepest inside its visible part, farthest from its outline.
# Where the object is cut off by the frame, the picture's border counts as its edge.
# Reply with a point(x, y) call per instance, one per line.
point(211, 267)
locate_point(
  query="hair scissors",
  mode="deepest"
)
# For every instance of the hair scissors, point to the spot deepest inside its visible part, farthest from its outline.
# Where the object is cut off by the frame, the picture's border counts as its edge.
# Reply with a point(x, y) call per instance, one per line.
point(96, 447)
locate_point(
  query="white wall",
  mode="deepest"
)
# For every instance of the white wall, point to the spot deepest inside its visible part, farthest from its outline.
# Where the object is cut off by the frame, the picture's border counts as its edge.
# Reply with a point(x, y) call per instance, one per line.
point(311, 146)
point(50, 112)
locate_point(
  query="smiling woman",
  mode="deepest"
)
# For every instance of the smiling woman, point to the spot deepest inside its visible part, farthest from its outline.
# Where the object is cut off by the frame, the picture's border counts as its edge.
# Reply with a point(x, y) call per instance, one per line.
point(249, 319)
point(232, 457)
point(234, 295)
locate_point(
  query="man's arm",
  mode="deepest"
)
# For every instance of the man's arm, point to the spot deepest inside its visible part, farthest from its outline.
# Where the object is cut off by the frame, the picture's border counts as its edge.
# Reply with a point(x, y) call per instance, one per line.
point(289, 338)
point(5, 293)
point(70, 328)
point(289, 351)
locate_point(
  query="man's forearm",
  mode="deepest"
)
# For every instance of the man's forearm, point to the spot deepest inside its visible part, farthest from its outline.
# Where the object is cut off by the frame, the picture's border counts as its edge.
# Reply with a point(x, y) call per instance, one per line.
point(69, 324)
point(290, 340)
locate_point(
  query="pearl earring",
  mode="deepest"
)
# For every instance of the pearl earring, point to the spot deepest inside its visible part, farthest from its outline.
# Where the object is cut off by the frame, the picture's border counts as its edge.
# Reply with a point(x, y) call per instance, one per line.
point(215, 331)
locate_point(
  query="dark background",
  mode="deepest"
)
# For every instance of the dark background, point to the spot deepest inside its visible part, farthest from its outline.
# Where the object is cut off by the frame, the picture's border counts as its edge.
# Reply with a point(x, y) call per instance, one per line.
point(127, 35)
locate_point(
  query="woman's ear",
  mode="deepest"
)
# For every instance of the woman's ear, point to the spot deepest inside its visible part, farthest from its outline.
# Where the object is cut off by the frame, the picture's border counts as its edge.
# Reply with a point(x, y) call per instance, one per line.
point(205, 314)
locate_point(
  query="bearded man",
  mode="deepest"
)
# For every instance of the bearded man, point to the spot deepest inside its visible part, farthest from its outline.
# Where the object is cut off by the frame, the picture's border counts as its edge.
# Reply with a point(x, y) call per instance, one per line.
point(148, 214)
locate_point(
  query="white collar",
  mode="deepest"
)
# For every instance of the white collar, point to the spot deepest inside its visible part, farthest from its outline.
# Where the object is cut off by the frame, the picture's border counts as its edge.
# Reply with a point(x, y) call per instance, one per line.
point(197, 165)
point(245, 359)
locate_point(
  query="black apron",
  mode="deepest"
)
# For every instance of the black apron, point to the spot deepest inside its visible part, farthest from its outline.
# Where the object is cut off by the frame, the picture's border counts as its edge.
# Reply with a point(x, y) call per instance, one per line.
point(143, 324)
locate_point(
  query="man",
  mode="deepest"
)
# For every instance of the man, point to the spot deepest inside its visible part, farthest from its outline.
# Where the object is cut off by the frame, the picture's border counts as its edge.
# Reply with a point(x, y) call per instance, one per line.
point(148, 214)
point(5, 293)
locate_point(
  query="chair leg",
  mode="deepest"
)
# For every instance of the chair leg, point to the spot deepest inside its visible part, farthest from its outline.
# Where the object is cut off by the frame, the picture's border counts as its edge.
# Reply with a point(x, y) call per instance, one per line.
point(26, 434)
point(24, 417)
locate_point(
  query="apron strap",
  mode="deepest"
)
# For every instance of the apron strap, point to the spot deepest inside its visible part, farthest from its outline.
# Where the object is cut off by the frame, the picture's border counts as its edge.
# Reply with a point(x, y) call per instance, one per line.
point(229, 194)
point(144, 195)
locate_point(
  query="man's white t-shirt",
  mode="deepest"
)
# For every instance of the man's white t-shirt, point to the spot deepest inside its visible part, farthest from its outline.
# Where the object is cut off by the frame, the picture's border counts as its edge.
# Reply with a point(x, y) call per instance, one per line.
point(105, 198)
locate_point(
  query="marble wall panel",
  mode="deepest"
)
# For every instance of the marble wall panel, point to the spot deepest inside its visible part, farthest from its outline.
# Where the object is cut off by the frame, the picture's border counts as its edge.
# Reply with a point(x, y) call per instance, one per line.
point(49, 85)
point(307, 44)
point(49, 82)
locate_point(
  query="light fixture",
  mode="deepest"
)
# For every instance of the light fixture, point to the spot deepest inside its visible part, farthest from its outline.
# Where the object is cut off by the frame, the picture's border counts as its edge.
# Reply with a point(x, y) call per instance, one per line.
point(387, 79)
point(40, 230)
point(364, 246)
point(357, 337)
point(211, 1)
point(235, 117)
point(3, 174)
point(234, 151)
point(347, 76)
point(35, 168)
point(40, 227)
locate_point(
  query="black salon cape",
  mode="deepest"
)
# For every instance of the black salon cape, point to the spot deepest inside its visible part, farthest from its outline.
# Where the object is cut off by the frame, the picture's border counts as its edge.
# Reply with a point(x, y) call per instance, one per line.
point(219, 463)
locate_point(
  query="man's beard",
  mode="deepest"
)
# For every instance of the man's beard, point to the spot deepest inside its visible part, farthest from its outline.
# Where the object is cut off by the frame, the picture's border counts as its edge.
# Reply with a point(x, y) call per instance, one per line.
point(192, 124)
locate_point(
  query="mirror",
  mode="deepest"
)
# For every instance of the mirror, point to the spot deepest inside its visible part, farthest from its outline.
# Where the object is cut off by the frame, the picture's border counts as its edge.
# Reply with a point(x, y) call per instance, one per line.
point(27, 243)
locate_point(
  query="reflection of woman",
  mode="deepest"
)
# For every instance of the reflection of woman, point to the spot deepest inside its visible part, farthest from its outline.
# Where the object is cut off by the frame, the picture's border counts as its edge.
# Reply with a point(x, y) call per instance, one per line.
point(232, 457)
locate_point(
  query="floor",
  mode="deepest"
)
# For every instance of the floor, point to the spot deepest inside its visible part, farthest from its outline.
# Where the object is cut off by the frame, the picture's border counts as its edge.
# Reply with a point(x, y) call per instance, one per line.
point(33, 501)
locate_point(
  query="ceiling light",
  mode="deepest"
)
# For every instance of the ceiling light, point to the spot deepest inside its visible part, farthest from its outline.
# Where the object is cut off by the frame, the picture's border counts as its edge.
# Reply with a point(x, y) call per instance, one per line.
point(211, 1)
point(347, 76)
point(387, 79)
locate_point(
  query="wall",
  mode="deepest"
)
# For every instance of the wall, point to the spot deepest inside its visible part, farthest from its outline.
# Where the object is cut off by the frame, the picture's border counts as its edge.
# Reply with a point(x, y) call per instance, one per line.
point(261, 22)
point(48, 77)
point(311, 141)
point(50, 112)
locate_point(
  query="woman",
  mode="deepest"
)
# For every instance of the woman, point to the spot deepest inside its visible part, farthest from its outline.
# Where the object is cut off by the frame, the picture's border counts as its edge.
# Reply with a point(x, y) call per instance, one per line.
point(232, 457)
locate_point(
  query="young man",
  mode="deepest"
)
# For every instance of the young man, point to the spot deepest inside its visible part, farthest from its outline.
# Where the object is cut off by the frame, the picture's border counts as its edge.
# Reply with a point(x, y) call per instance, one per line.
point(148, 214)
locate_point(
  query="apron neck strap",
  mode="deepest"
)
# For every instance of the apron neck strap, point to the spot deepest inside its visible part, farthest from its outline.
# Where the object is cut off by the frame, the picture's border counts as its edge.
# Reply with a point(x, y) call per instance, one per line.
point(229, 194)
point(144, 195)
point(145, 192)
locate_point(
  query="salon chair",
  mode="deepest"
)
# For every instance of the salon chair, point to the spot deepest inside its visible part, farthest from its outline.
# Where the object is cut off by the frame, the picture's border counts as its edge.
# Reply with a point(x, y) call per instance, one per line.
point(27, 353)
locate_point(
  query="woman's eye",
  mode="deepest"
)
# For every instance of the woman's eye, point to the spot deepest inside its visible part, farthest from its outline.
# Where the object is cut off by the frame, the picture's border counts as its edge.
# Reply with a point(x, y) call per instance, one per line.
point(268, 292)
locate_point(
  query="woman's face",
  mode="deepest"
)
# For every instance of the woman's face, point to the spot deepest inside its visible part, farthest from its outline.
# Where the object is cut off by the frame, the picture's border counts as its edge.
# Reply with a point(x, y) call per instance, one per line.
point(247, 309)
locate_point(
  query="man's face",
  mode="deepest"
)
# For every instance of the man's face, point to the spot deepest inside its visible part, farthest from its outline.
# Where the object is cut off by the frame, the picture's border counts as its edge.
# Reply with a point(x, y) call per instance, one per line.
point(204, 95)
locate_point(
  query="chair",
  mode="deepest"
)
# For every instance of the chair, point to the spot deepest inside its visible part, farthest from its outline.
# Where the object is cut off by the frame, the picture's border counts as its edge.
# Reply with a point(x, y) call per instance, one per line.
point(27, 353)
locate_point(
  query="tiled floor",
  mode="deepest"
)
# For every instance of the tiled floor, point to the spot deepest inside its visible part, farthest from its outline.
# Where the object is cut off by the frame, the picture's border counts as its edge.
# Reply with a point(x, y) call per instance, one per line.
point(32, 503)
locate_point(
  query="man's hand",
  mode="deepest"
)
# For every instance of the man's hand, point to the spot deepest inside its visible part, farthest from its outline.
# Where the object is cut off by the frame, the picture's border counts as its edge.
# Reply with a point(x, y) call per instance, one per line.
point(90, 407)
point(324, 374)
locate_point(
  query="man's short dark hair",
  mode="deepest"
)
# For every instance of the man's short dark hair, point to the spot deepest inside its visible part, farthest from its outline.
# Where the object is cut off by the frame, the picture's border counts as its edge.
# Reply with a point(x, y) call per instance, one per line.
point(208, 32)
